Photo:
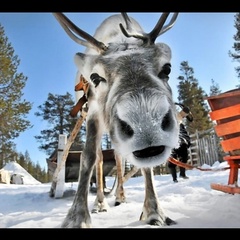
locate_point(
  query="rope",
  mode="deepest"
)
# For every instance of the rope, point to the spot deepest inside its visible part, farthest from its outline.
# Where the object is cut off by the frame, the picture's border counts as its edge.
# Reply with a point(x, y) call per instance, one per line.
point(190, 167)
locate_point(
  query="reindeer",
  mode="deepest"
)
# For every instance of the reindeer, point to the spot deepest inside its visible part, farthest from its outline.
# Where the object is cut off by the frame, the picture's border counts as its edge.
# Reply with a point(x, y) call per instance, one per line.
point(128, 97)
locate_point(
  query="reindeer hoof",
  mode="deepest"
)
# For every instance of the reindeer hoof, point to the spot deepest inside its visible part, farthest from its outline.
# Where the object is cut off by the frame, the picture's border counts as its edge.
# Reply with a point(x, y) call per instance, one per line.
point(94, 210)
point(155, 222)
point(117, 204)
point(103, 210)
point(169, 221)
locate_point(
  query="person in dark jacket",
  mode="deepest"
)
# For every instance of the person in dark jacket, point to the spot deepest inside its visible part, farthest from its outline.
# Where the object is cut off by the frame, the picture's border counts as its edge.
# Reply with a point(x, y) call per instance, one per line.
point(181, 153)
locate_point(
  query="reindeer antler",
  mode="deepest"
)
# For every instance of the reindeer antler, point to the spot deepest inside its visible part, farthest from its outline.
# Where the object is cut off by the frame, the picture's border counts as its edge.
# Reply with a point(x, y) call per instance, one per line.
point(70, 27)
point(148, 38)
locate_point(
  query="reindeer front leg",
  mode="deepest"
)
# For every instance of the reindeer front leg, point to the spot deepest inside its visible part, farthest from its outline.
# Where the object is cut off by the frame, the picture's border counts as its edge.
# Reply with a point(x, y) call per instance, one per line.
point(120, 196)
point(78, 216)
point(100, 204)
point(152, 212)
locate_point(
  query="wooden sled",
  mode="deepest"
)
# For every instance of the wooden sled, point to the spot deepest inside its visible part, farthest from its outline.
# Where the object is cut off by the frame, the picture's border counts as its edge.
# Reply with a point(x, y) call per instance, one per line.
point(225, 188)
point(226, 112)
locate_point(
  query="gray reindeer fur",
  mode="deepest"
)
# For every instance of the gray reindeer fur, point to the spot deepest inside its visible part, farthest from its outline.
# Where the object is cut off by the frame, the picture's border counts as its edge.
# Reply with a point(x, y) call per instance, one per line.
point(134, 105)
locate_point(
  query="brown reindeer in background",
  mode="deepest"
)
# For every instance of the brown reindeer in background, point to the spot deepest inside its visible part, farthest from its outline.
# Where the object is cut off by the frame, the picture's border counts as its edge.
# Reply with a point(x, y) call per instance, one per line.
point(128, 97)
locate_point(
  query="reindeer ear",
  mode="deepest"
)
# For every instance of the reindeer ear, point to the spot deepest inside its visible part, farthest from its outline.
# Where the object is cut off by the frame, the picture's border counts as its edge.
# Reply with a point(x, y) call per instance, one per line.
point(79, 60)
point(165, 50)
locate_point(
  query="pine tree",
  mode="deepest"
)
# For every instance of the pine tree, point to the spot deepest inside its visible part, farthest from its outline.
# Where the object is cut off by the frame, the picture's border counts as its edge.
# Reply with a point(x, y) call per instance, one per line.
point(56, 112)
point(193, 96)
point(37, 172)
point(30, 167)
point(106, 141)
point(236, 46)
point(214, 88)
point(21, 161)
point(13, 109)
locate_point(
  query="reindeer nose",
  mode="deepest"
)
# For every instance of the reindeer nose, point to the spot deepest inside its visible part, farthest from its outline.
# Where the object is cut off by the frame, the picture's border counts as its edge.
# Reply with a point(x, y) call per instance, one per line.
point(127, 131)
point(166, 122)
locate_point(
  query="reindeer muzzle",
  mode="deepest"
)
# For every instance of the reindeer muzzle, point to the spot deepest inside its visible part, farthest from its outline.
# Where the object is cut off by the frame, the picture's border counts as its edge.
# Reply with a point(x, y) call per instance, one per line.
point(149, 152)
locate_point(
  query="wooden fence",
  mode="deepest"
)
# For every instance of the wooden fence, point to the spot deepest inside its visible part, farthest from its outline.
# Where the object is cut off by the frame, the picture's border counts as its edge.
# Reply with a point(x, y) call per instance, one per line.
point(205, 149)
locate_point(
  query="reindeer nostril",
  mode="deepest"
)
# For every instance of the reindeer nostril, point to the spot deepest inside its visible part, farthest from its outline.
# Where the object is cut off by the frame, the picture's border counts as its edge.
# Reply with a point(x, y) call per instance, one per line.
point(126, 129)
point(149, 152)
point(166, 121)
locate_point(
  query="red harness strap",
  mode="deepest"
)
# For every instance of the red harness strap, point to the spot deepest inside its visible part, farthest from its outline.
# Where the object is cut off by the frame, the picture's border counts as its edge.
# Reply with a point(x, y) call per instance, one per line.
point(82, 85)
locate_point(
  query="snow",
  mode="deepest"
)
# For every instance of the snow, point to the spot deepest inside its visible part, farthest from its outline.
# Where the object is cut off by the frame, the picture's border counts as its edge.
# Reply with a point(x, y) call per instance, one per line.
point(190, 202)
point(15, 168)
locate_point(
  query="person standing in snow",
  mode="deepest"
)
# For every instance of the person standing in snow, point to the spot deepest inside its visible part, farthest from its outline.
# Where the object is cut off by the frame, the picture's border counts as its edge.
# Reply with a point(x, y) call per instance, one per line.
point(181, 153)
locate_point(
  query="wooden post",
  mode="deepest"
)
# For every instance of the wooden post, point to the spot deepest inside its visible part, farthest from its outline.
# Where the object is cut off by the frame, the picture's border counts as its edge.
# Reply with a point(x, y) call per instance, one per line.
point(61, 161)
point(61, 175)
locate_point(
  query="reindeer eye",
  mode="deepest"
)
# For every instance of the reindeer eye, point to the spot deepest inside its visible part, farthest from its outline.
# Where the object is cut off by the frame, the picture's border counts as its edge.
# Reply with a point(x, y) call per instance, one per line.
point(166, 69)
point(96, 79)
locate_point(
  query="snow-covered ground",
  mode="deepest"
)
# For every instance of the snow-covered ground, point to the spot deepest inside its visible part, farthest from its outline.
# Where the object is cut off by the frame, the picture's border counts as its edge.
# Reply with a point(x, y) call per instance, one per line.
point(191, 203)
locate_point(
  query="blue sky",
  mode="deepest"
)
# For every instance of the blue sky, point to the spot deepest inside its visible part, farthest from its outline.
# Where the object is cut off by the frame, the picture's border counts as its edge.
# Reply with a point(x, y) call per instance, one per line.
point(46, 54)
